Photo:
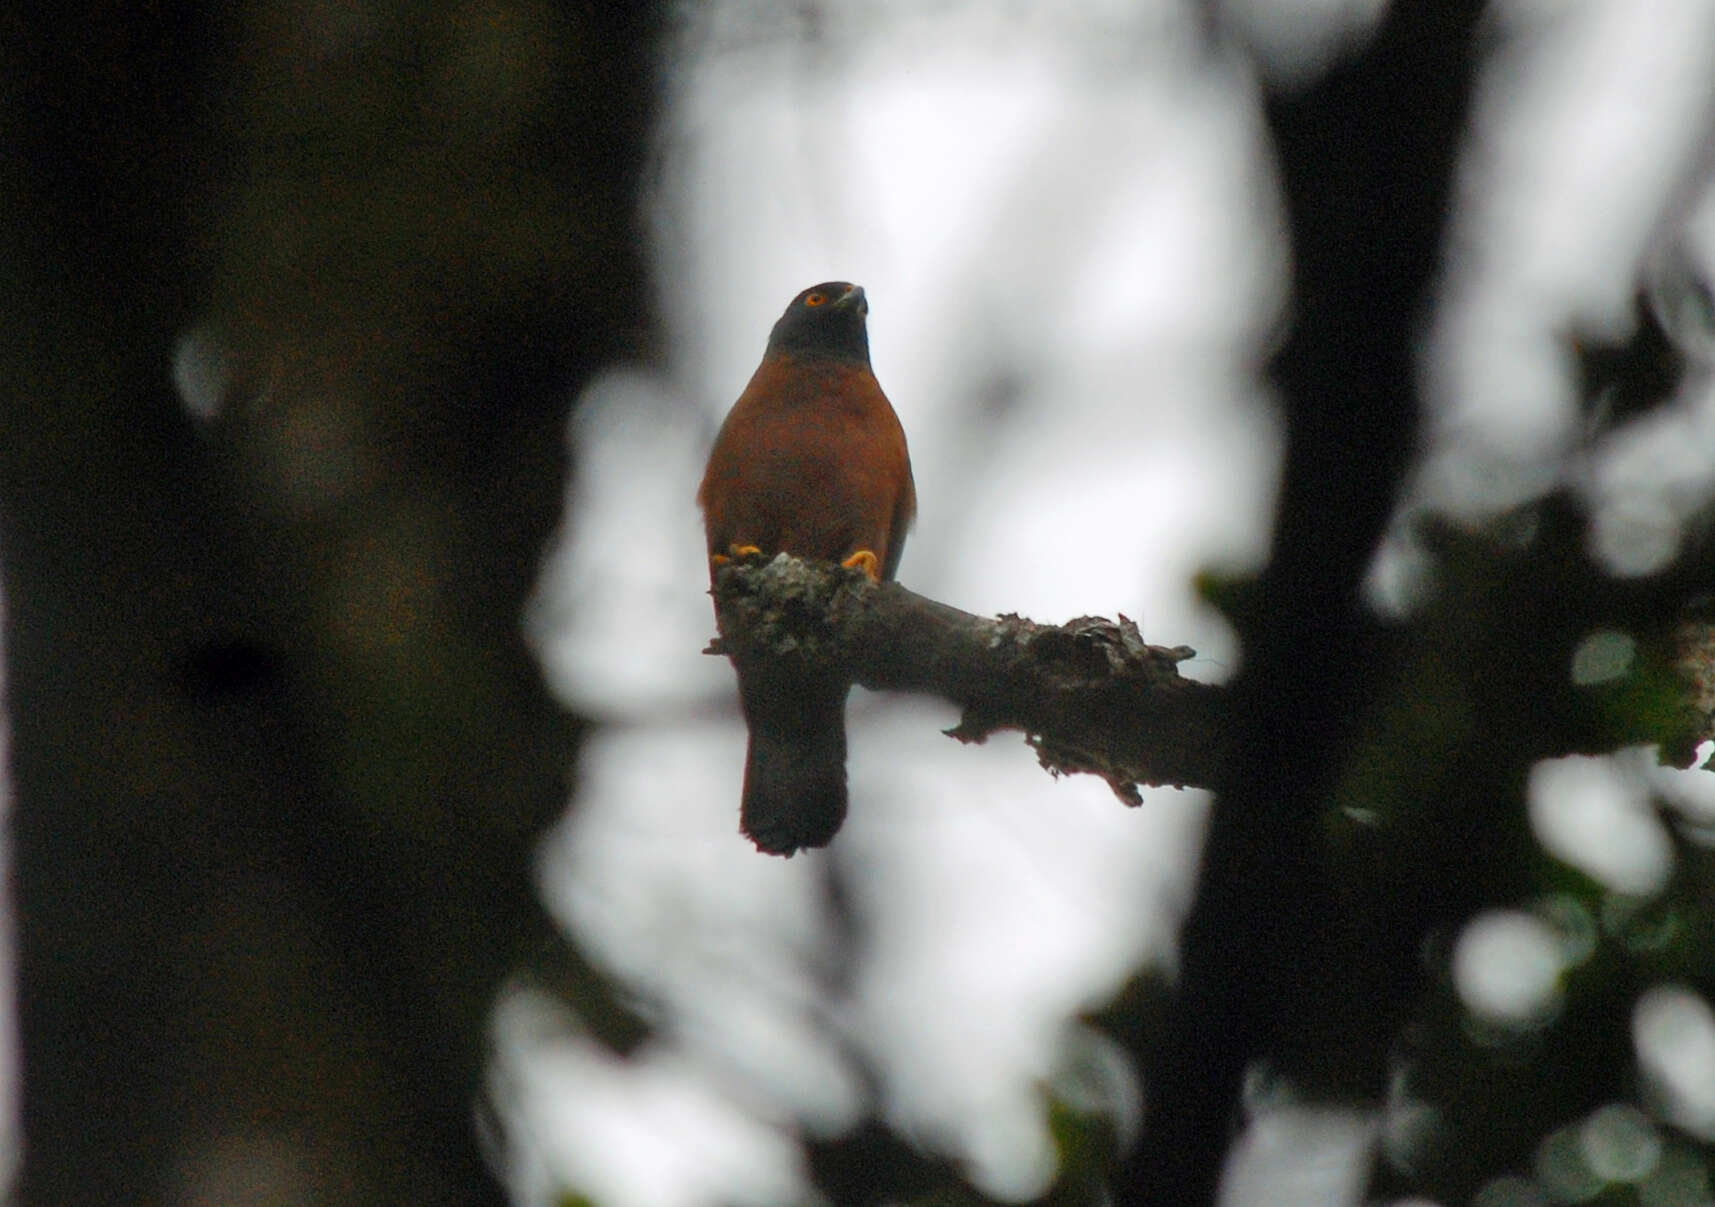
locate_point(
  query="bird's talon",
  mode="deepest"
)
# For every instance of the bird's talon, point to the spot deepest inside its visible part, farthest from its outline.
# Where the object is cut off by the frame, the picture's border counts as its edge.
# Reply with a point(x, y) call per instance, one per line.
point(734, 553)
point(865, 560)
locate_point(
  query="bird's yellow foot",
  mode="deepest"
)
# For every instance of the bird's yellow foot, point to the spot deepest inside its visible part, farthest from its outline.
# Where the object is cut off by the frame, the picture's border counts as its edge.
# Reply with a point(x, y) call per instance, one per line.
point(734, 551)
point(865, 560)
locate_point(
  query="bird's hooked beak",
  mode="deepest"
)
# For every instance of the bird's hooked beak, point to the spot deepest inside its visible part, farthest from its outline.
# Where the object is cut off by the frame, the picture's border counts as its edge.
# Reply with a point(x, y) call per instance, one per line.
point(853, 299)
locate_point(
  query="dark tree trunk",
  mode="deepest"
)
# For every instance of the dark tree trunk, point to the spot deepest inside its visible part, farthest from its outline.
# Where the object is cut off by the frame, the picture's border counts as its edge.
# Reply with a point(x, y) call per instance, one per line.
point(278, 750)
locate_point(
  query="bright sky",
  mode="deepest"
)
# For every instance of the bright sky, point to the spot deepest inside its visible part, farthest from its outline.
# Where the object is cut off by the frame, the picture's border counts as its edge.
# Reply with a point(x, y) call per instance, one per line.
point(1064, 222)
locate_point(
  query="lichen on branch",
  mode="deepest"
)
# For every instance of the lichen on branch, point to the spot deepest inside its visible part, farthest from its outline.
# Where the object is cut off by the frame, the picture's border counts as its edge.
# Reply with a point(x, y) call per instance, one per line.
point(1090, 695)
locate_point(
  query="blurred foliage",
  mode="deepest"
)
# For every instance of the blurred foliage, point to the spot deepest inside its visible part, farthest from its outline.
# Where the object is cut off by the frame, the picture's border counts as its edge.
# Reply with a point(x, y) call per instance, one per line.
point(1430, 827)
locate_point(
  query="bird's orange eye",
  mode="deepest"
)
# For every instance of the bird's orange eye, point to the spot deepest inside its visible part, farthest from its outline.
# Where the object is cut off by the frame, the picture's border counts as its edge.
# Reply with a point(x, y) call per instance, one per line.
point(815, 299)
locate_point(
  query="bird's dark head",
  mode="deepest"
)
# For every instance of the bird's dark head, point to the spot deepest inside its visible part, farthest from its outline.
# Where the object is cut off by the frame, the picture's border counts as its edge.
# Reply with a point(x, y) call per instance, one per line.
point(825, 320)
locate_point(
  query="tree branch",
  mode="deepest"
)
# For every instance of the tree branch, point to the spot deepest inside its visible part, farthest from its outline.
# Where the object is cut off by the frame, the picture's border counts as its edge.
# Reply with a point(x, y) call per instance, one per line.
point(1089, 695)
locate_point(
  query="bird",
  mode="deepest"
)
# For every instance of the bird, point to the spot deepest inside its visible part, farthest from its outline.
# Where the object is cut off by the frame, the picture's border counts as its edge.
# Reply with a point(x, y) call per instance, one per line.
point(810, 461)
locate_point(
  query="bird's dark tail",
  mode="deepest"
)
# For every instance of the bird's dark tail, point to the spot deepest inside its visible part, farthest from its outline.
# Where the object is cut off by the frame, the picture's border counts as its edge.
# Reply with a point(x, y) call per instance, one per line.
point(795, 774)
